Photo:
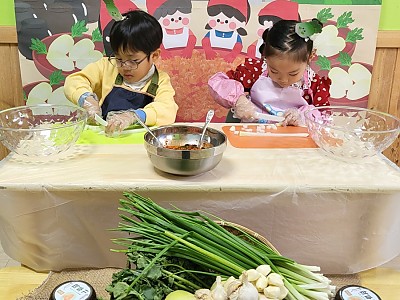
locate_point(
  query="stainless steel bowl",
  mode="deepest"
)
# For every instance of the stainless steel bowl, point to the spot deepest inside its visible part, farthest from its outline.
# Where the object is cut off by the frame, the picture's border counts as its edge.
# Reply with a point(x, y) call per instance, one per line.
point(184, 162)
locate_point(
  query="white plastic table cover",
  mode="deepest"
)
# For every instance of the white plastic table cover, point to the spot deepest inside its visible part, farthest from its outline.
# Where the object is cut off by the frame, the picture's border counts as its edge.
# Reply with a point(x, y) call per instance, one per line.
point(344, 217)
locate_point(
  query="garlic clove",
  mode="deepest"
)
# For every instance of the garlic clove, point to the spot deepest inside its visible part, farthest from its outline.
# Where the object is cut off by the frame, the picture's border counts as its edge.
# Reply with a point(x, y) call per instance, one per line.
point(261, 283)
point(233, 286)
point(264, 269)
point(227, 282)
point(203, 294)
point(252, 275)
point(272, 292)
point(275, 279)
point(283, 292)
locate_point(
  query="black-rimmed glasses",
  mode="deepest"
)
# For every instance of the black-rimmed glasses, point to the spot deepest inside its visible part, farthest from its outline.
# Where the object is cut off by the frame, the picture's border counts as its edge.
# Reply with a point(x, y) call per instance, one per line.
point(131, 64)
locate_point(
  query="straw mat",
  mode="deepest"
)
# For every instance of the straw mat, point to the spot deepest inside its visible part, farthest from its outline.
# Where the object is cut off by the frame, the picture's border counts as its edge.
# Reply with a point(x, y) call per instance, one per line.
point(100, 278)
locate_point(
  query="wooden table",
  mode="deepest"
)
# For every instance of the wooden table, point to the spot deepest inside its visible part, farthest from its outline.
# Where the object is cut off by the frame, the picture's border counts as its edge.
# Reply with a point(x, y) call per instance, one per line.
point(18, 281)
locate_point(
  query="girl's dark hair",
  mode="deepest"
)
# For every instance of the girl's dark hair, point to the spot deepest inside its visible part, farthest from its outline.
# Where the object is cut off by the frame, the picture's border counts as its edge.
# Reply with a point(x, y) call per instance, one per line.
point(230, 12)
point(172, 6)
point(139, 31)
point(283, 39)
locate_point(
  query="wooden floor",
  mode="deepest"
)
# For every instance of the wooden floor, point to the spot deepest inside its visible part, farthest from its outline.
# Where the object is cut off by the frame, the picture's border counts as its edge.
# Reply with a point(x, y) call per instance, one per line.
point(17, 281)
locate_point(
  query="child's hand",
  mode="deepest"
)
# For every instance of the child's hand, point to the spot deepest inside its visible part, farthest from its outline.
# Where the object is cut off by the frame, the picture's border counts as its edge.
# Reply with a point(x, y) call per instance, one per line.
point(245, 109)
point(292, 117)
point(91, 105)
point(118, 121)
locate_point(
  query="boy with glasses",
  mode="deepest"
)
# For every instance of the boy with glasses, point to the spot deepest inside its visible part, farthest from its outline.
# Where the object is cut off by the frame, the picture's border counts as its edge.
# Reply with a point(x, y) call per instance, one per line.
point(128, 81)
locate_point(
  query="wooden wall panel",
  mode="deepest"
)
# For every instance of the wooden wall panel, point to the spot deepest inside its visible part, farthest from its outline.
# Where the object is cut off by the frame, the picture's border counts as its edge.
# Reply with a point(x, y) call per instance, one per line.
point(10, 75)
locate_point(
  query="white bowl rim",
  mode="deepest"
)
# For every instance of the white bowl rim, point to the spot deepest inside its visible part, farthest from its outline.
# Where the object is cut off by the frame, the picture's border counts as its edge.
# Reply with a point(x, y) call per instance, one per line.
point(356, 109)
point(43, 105)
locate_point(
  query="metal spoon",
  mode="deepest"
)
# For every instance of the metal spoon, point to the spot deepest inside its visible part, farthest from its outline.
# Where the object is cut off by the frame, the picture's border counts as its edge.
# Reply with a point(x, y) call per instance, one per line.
point(209, 116)
point(147, 128)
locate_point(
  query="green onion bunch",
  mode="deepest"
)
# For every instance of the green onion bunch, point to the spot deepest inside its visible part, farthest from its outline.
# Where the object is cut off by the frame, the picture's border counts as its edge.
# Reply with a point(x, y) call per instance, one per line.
point(157, 233)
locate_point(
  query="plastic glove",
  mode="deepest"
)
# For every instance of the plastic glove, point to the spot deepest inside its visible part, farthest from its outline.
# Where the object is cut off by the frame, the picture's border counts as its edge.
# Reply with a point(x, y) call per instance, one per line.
point(91, 105)
point(118, 121)
point(293, 117)
point(245, 110)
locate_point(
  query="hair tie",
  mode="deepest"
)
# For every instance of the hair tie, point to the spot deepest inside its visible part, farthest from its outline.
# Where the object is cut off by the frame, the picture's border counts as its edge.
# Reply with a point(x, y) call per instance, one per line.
point(308, 30)
point(113, 10)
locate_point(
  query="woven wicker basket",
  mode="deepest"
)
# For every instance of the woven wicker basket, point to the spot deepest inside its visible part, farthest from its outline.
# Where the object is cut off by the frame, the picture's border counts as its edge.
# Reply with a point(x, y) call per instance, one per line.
point(234, 228)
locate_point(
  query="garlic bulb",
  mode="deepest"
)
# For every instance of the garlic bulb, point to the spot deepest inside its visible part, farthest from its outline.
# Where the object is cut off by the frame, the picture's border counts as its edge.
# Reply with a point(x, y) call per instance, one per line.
point(219, 293)
point(247, 291)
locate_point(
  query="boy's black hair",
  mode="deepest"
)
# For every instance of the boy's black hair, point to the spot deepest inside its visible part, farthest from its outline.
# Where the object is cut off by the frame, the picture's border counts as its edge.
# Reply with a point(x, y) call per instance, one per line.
point(283, 39)
point(139, 31)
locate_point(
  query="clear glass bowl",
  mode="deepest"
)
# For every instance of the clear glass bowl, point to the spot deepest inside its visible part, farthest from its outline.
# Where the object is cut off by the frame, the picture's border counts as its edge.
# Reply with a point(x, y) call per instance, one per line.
point(41, 130)
point(351, 133)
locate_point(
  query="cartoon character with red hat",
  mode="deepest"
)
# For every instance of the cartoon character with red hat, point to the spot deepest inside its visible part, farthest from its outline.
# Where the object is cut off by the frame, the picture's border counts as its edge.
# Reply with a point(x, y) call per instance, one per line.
point(271, 13)
point(226, 26)
point(106, 22)
point(174, 17)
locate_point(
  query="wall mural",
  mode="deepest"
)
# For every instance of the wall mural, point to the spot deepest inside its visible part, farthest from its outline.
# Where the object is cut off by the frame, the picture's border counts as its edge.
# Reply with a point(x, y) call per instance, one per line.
point(59, 37)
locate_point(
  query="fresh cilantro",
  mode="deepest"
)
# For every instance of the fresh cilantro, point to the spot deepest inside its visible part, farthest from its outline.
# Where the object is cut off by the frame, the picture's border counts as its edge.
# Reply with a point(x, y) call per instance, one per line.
point(344, 59)
point(345, 19)
point(96, 36)
point(56, 77)
point(78, 29)
point(38, 46)
point(354, 35)
point(324, 15)
point(167, 274)
point(323, 62)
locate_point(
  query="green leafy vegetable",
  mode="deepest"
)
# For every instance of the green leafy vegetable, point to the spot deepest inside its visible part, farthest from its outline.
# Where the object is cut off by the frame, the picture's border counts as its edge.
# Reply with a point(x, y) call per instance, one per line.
point(323, 62)
point(38, 46)
point(345, 19)
point(56, 77)
point(96, 36)
point(354, 35)
point(344, 59)
point(194, 245)
point(324, 15)
point(78, 29)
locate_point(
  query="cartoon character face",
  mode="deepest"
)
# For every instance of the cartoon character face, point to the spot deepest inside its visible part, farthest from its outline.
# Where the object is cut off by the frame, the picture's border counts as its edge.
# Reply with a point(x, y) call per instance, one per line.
point(223, 23)
point(175, 21)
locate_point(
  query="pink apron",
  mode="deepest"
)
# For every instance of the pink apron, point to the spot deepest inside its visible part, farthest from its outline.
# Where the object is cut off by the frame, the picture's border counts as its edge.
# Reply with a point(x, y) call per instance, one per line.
point(273, 99)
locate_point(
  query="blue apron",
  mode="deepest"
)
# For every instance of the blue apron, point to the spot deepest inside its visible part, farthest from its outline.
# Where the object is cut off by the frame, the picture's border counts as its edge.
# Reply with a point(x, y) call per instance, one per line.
point(124, 98)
